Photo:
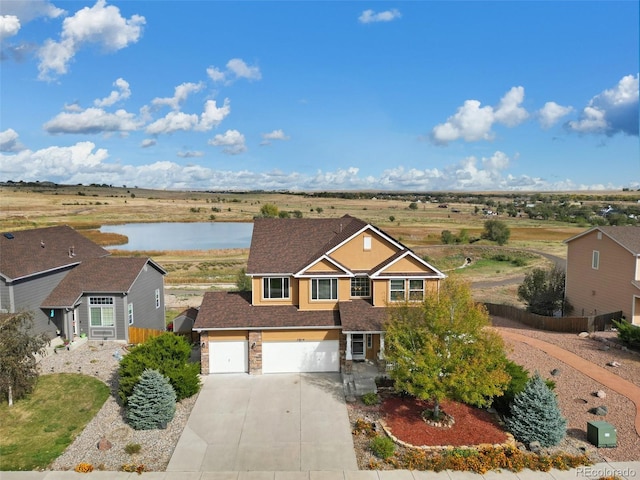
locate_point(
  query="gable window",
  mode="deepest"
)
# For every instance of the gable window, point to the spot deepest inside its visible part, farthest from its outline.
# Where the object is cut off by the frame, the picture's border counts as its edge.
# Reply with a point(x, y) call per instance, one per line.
point(397, 290)
point(157, 298)
point(275, 287)
point(102, 312)
point(130, 313)
point(360, 287)
point(595, 260)
point(324, 288)
point(367, 243)
point(416, 289)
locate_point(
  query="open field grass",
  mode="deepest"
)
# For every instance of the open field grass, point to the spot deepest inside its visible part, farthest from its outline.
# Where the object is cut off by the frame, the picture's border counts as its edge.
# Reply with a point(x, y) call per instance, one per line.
point(88, 207)
point(38, 428)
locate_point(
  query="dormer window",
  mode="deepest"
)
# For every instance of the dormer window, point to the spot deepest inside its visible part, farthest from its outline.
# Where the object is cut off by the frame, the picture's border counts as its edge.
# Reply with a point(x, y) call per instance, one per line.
point(275, 287)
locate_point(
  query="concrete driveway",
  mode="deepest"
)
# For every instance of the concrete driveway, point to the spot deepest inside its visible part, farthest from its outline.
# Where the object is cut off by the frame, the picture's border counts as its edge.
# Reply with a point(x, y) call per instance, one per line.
point(285, 422)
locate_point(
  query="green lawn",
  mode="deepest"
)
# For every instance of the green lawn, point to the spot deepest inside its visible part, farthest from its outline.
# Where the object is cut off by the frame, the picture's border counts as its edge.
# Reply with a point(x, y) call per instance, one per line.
point(38, 428)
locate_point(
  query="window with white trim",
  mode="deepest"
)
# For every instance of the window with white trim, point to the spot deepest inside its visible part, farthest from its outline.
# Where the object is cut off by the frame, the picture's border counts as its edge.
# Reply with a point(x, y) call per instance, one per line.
point(324, 289)
point(360, 287)
point(595, 260)
point(367, 243)
point(102, 312)
point(130, 313)
point(416, 289)
point(157, 298)
point(397, 290)
point(275, 287)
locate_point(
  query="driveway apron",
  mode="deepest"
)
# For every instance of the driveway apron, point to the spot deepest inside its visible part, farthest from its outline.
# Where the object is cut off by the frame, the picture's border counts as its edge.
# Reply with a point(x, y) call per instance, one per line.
point(285, 422)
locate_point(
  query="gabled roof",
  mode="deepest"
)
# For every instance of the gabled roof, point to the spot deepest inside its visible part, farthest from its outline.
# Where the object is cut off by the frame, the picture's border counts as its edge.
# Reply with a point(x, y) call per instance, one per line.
point(288, 245)
point(378, 270)
point(106, 275)
point(627, 237)
point(28, 252)
point(233, 310)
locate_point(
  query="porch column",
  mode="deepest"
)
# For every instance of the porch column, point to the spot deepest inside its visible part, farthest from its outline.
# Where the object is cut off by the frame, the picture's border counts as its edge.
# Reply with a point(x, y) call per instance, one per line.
point(348, 355)
point(381, 352)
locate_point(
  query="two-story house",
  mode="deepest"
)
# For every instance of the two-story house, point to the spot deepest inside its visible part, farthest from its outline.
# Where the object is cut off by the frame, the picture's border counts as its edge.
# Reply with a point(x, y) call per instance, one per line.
point(74, 287)
point(603, 271)
point(320, 292)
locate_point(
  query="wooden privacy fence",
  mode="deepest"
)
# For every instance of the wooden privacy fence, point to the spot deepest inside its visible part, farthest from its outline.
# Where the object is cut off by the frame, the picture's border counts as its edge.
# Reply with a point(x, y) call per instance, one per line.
point(140, 335)
point(555, 324)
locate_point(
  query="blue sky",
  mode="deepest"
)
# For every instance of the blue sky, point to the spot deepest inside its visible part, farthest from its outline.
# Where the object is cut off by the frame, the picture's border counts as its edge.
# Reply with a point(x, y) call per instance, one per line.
point(326, 95)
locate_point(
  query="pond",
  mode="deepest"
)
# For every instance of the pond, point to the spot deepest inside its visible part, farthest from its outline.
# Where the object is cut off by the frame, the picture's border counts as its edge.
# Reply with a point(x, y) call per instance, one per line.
point(182, 236)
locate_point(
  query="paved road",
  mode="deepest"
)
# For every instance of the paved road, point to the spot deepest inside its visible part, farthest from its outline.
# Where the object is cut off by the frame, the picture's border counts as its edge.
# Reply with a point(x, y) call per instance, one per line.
point(287, 422)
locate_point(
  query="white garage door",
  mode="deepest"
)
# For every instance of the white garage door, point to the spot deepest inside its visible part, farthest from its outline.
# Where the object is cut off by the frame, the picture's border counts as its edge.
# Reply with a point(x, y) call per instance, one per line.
point(309, 356)
point(228, 357)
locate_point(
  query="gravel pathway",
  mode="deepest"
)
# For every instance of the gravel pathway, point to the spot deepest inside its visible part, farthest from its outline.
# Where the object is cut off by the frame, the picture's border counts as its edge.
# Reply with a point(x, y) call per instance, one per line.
point(575, 392)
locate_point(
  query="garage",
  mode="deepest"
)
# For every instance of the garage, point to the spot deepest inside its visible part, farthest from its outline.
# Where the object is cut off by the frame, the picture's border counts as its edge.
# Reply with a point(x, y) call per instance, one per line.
point(231, 356)
point(300, 351)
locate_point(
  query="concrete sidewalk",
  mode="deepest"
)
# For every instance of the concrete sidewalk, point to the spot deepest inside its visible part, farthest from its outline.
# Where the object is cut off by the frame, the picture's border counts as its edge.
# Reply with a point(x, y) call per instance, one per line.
point(624, 470)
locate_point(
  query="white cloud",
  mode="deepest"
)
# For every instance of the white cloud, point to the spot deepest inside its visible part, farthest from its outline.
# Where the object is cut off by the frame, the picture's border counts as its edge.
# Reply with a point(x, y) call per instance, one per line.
point(509, 111)
point(9, 141)
point(93, 120)
point(122, 93)
point(369, 16)
point(274, 135)
point(181, 92)
point(82, 163)
point(27, 10)
point(551, 113)
point(232, 141)
point(173, 122)
point(190, 154)
point(236, 68)
point(148, 142)
point(9, 26)
point(473, 123)
point(612, 111)
point(212, 116)
point(101, 24)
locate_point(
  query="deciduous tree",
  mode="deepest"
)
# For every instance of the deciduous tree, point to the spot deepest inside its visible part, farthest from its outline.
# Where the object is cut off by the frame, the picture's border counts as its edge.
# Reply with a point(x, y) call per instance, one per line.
point(18, 349)
point(496, 231)
point(543, 291)
point(441, 348)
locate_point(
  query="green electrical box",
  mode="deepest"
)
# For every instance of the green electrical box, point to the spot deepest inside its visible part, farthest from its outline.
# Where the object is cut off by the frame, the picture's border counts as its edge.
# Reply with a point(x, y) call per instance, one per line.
point(601, 434)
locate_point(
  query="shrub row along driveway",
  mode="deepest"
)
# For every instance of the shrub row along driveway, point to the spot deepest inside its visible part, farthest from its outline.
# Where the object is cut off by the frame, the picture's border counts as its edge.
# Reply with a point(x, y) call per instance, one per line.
point(287, 422)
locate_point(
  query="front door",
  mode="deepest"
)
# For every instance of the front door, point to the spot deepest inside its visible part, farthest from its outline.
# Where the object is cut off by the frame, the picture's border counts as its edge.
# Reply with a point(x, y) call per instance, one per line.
point(357, 346)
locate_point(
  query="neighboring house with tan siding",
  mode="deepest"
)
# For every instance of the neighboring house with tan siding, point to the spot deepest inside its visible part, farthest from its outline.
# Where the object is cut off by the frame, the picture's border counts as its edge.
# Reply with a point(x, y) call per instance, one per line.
point(603, 271)
point(74, 287)
point(320, 292)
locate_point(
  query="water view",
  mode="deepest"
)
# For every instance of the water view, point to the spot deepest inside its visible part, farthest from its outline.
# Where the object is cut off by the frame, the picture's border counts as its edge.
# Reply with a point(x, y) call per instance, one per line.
point(182, 236)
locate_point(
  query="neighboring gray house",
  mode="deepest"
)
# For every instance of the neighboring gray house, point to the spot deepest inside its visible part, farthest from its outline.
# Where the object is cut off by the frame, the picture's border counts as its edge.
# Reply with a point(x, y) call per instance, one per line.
point(72, 286)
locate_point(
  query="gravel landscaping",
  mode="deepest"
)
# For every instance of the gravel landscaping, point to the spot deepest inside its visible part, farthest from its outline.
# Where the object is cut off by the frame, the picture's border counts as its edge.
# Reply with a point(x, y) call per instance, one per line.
point(575, 390)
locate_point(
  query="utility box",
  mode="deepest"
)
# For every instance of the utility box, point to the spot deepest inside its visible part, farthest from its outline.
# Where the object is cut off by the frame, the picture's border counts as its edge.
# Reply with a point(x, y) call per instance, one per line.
point(601, 434)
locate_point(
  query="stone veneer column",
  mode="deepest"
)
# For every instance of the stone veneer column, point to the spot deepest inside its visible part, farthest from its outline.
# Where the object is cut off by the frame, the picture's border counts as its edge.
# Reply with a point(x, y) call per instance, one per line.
point(204, 353)
point(255, 353)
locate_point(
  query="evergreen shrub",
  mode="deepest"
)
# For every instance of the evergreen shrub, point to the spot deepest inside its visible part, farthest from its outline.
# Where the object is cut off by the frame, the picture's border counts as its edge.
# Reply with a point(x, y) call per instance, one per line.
point(535, 415)
point(152, 403)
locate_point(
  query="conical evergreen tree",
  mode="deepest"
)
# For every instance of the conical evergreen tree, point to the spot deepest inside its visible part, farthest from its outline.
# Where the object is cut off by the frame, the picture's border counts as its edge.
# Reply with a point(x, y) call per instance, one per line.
point(535, 415)
point(152, 403)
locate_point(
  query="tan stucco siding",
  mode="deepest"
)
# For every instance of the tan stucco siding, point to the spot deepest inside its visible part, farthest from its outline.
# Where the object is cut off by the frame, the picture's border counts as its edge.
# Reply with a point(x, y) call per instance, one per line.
point(299, 335)
point(408, 265)
point(605, 289)
point(258, 294)
point(354, 256)
point(324, 266)
point(226, 336)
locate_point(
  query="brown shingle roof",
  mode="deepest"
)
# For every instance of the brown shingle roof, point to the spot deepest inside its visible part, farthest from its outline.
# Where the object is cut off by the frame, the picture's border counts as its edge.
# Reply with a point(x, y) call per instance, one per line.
point(227, 310)
point(359, 315)
point(288, 245)
point(24, 254)
point(628, 236)
point(99, 275)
